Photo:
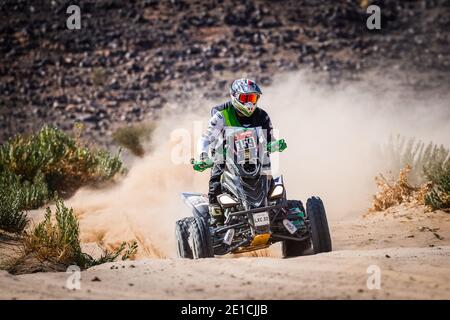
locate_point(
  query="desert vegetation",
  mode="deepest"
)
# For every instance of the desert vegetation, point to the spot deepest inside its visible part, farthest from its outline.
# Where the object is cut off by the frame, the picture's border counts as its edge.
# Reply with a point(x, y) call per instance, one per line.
point(57, 238)
point(33, 168)
point(38, 169)
point(54, 244)
point(133, 137)
point(424, 176)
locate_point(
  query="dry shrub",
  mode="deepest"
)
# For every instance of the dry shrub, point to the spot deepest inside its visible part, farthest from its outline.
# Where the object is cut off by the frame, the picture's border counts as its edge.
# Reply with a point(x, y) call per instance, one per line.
point(392, 193)
point(51, 161)
point(422, 157)
point(424, 175)
point(54, 244)
point(133, 137)
point(59, 241)
point(33, 168)
point(64, 162)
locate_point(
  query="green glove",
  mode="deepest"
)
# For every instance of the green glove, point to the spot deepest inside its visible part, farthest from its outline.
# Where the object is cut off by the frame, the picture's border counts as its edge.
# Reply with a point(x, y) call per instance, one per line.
point(202, 165)
point(279, 145)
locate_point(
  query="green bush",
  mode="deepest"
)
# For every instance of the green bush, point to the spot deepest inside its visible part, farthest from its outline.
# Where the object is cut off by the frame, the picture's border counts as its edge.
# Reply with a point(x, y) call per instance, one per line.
point(64, 162)
point(125, 249)
point(29, 194)
point(33, 168)
point(56, 240)
point(16, 196)
point(439, 196)
point(12, 217)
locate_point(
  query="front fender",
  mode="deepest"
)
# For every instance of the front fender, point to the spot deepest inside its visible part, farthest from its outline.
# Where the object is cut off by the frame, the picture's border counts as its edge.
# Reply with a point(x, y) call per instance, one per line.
point(198, 202)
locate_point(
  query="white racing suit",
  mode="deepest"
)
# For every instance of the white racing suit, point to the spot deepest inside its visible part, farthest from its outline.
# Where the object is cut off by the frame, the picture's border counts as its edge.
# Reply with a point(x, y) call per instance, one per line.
point(215, 130)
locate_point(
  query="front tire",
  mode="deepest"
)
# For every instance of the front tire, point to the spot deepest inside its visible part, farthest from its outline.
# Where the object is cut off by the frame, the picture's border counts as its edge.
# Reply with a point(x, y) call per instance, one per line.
point(182, 236)
point(200, 239)
point(291, 248)
point(320, 233)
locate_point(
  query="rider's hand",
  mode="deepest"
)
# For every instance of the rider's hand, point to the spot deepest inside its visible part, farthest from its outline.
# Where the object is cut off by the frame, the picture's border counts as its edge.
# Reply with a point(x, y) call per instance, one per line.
point(281, 145)
point(204, 163)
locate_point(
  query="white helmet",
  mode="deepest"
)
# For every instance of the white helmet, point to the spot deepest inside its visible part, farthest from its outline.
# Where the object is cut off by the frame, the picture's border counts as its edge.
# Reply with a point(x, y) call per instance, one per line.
point(244, 96)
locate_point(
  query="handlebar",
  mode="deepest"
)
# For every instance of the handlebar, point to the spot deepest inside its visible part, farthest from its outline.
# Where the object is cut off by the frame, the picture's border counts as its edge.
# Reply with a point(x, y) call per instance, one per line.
point(201, 165)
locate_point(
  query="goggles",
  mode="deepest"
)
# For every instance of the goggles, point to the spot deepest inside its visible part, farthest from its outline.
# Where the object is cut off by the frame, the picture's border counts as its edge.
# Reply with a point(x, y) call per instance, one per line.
point(248, 97)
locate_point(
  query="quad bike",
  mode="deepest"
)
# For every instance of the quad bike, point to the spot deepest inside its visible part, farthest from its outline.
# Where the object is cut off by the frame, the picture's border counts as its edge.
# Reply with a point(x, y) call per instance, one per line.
point(257, 212)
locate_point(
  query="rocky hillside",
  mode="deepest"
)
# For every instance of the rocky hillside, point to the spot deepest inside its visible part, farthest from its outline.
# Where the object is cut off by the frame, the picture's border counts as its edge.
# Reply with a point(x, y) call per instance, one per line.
point(131, 57)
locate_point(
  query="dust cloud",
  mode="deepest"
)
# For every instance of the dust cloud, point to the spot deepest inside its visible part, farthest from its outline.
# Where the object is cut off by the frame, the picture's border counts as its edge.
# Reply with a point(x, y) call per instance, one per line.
point(332, 135)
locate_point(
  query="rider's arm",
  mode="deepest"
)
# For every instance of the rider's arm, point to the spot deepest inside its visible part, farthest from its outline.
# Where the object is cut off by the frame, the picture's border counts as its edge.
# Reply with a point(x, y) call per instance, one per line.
point(267, 126)
point(215, 128)
point(273, 144)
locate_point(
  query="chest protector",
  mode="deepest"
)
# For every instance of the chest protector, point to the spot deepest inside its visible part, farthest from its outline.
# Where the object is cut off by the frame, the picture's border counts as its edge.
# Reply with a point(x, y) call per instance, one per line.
point(231, 120)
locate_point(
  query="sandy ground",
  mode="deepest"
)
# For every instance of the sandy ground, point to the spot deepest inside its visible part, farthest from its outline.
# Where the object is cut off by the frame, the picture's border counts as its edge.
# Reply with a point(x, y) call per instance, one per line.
point(410, 248)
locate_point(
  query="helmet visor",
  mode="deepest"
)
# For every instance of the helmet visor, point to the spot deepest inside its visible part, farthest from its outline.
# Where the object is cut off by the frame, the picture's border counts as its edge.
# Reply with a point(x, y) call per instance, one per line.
point(248, 97)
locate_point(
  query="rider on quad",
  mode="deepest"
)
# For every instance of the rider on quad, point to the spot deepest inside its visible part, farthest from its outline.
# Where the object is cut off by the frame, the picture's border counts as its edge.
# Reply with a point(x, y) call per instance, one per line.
point(240, 111)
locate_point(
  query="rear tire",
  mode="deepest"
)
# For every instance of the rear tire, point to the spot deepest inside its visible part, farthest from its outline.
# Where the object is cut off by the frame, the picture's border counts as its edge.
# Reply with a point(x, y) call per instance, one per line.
point(182, 236)
point(320, 233)
point(200, 239)
point(291, 248)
